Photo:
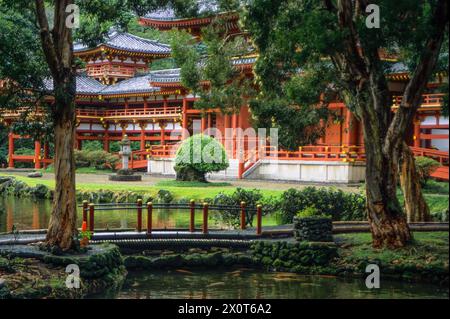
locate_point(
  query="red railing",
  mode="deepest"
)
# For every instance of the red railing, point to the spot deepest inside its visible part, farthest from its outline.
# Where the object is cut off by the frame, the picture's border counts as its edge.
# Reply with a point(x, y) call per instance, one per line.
point(114, 113)
point(91, 209)
point(109, 70)
point(428, 100)
point(150, 112)
point(440, 156)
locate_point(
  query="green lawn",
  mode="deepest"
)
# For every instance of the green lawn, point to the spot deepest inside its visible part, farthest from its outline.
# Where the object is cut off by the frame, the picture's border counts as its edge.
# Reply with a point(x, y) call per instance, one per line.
point(179, 190)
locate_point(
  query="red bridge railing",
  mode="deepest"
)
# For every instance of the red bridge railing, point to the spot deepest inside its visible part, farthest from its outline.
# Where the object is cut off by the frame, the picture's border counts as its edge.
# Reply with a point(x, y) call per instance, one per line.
point(90, 210)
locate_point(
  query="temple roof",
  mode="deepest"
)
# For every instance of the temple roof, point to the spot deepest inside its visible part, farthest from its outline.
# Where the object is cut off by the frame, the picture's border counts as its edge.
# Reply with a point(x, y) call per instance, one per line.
point(139, 84)
point(127, 42)
point(85, 85)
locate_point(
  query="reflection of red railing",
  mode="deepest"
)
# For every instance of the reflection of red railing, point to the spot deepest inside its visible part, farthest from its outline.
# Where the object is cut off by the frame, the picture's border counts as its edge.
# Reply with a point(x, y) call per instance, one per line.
point(428, 100)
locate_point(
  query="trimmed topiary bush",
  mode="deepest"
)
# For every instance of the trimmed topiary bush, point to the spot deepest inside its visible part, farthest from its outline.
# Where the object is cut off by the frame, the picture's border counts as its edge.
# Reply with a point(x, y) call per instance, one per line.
point(98, 159)
point(199, 155)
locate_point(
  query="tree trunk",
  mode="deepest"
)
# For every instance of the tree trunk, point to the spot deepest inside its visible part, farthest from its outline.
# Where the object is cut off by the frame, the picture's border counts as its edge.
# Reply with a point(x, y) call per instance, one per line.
point(386, 218)
point(62, 227)
point(415, 205)
point(58, 50)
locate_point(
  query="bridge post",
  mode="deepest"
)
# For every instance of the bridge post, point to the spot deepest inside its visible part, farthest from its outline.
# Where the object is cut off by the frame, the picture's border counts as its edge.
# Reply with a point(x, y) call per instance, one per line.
point(192, 217)
point(243, 215)
point(91, 217)
point(139, 215)
point(205, 218)
point(85, 210)
point(258, 220)
point(149, 217)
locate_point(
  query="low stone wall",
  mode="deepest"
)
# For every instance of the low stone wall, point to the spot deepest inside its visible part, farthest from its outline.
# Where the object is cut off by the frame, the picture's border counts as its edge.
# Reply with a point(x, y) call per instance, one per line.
point(279, 170)
point(305, 257)
point(309, 171)
point(313, 229)
point(215, 257)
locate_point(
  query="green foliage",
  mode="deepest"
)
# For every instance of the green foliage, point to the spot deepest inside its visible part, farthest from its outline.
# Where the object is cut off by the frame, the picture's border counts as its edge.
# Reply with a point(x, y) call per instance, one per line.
point(333, 202)
point(201, 153)
point(311, 211)
point(211, 61)
point(231, 217)
point(96, 158)
point(424, 167)
point(303, 52)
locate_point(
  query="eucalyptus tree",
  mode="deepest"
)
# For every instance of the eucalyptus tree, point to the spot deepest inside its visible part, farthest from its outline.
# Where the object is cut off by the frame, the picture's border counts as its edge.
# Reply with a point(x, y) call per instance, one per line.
point(341, 40)
point(36, 55)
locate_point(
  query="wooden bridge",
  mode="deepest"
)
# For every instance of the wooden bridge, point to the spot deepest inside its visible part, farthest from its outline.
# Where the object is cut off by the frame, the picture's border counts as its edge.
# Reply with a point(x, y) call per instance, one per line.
point(90, 210)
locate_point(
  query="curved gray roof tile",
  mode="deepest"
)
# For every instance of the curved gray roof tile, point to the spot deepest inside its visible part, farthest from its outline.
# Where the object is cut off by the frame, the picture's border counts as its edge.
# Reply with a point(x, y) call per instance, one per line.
point(129, 42)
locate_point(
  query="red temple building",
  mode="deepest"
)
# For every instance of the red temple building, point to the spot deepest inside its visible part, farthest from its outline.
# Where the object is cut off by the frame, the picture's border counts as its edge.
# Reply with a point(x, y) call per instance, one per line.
point(118, 95)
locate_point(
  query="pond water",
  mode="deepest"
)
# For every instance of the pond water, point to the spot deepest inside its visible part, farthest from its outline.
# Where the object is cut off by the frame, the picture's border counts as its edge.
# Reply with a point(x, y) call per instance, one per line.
point(251, 284)
point(26, 213)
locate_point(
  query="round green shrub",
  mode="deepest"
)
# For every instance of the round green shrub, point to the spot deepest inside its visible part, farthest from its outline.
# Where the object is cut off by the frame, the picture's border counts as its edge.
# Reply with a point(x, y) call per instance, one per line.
point(199, 155)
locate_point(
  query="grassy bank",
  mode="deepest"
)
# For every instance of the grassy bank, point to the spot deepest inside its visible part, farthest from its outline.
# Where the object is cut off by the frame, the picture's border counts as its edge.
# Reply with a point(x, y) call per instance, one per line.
point(426, 259)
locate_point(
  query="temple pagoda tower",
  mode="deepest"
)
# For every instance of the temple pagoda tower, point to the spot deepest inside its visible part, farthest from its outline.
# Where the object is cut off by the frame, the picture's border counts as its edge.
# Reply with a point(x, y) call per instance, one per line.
point(121, 56)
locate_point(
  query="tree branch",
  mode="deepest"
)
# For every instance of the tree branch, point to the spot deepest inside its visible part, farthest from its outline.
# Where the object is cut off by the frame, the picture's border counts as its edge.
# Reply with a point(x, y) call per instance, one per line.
point(413, 93)
point(47, 41)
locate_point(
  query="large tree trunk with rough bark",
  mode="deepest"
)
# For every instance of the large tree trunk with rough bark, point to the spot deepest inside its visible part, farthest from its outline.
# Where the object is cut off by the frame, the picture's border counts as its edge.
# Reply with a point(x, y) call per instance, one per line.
point(385, 215)
point(58, 49)
point(62, 226)
point(416, 207)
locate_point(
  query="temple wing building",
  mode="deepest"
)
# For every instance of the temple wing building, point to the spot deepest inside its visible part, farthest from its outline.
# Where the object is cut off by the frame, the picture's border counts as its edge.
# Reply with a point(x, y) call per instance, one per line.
point(117, 94)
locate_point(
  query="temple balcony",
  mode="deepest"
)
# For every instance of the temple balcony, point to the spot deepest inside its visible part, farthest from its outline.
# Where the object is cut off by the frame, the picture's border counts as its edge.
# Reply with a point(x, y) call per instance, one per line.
point(168, 112)
point(130, 114)
point(429, 101)
point(105, 71)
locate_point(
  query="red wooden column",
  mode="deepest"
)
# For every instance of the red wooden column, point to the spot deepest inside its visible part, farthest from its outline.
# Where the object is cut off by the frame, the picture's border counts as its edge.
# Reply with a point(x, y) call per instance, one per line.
point(162, 126)
point(126, 104)
point(165, 104)
point(37, 154)
point(10, 150)
point(142, 126)
point(184, 119)
point(145, 104)
point(416, 136)
point(203, 125)
point(209, 123)
point(234, 124)
point(226, 124)
point(46, 153)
